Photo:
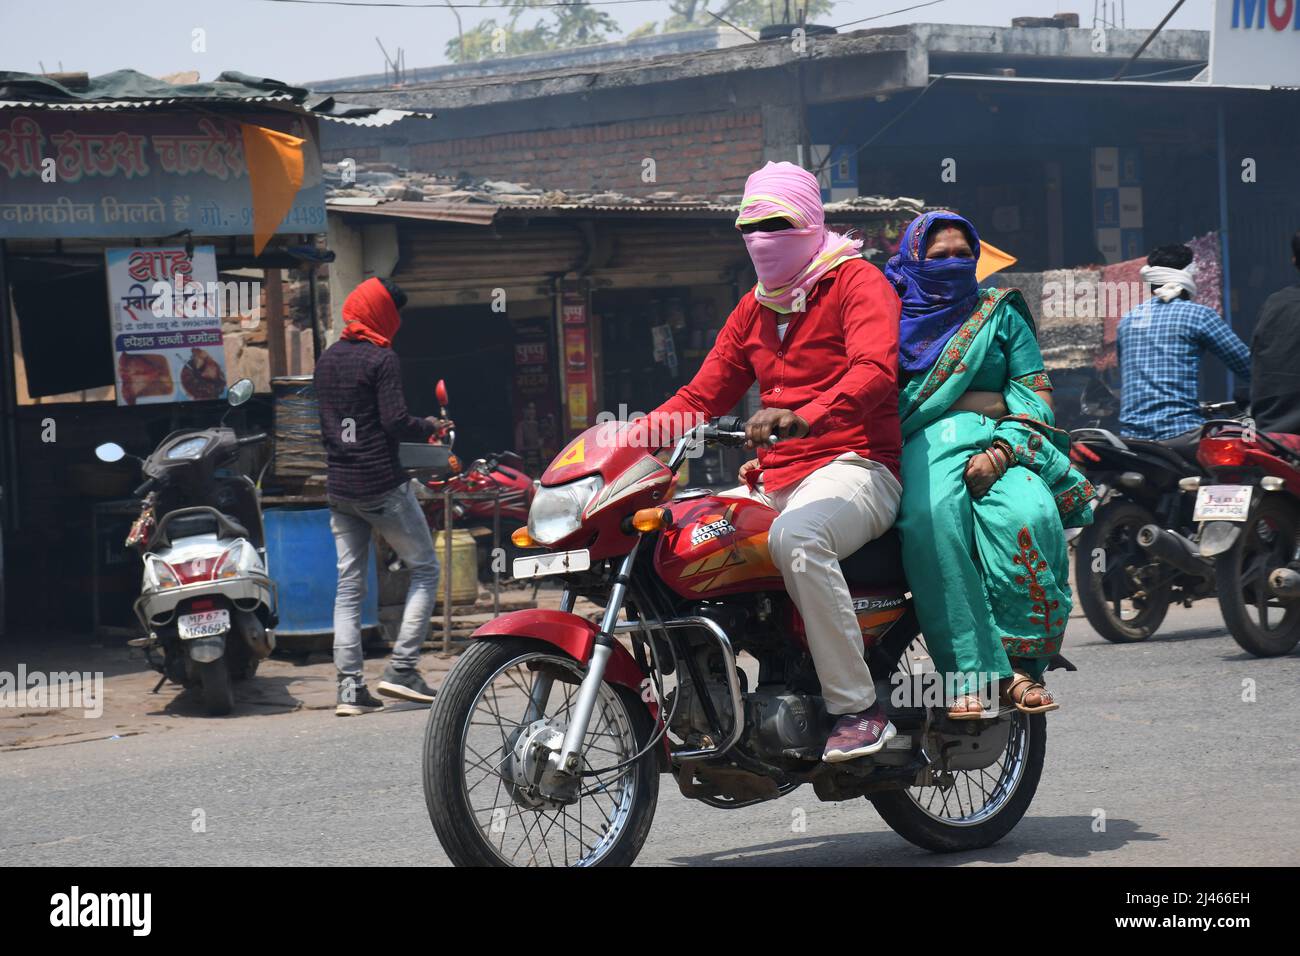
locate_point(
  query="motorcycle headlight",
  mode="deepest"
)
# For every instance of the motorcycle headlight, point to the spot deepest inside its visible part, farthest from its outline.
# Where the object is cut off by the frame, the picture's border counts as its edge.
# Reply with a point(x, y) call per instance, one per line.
point(557, 512)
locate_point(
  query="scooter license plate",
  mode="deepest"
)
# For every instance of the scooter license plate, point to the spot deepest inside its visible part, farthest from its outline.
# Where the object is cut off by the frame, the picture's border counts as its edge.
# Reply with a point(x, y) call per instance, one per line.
point(203, 624)
point(1222, 503)
point(561, 562)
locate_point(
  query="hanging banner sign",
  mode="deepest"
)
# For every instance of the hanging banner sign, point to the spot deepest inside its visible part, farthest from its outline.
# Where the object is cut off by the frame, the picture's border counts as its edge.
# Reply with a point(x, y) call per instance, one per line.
point(164, 309)
point(138, 174)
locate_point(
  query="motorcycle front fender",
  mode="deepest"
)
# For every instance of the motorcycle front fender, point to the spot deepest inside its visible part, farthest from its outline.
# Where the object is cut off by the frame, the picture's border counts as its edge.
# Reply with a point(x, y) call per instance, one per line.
point(574, 635)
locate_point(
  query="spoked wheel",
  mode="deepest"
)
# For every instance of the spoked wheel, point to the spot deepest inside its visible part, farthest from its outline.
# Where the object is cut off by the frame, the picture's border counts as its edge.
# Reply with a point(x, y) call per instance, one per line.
point(1119, 583)
point(1258, 620)
point(968, 809)
point(503, 703)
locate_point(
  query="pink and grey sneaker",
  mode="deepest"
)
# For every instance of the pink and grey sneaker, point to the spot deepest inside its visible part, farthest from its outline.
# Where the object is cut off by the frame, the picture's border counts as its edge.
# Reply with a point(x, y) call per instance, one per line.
point(857, 735)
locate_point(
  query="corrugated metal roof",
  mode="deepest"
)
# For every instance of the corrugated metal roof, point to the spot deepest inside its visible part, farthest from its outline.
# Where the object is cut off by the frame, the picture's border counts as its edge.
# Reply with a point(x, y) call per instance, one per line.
point(484, 213)
point(140, 104)
point(381, 117)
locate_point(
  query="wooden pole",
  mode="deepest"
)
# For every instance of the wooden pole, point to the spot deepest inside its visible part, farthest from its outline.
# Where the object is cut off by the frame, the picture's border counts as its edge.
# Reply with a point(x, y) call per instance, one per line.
point(275, 324)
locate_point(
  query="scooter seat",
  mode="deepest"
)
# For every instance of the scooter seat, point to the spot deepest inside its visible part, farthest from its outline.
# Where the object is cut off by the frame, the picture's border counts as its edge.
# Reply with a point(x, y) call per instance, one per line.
point(190, 522)
point(877, 563)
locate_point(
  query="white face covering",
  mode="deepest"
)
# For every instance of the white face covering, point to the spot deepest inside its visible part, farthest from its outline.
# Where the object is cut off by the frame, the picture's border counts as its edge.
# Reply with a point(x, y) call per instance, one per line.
point(1170, 283)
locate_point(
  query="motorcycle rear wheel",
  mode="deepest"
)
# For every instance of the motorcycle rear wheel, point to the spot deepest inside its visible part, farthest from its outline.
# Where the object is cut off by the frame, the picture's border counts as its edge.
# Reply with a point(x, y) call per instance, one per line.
point(484, 700)
point(1103, 594)
point(979, 807)
point(949, 821)
point(214, 681)
point(1267, 542)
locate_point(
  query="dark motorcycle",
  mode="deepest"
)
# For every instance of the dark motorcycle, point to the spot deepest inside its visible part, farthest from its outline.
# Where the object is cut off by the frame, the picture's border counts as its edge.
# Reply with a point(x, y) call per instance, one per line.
point(1140, 555)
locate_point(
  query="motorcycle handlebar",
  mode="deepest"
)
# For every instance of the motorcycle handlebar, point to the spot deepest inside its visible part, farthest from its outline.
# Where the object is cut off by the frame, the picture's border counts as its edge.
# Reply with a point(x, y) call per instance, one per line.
point(145, 488)
point(253, 439)
point(729, 430)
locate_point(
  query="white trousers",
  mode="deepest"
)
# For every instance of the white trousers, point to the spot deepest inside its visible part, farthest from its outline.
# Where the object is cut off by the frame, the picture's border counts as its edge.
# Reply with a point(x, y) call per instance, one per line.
point(827, 516)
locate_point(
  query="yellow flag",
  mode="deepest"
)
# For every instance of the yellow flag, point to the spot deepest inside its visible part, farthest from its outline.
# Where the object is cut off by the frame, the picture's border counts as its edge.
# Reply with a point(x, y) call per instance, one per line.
point(992, 259)
point(275, 170)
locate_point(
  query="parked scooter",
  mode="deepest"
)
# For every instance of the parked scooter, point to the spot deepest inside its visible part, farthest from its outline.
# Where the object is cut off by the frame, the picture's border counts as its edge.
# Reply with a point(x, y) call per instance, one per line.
point(207, 604)
point(1250, 528)
point(1140, 555)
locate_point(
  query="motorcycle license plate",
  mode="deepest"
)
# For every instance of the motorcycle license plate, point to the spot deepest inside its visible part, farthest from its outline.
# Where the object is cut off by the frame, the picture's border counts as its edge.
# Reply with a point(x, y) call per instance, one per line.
point(1222, 503)
point(203, 624)
point(561, 562)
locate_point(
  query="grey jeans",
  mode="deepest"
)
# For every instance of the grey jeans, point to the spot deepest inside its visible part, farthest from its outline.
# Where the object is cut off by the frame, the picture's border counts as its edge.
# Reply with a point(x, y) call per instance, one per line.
point(396, 516)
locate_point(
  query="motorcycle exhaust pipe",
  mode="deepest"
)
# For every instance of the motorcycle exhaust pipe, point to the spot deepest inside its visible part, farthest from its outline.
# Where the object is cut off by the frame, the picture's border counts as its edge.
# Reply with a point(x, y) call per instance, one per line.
point(1285, 583)
point(1175, 550)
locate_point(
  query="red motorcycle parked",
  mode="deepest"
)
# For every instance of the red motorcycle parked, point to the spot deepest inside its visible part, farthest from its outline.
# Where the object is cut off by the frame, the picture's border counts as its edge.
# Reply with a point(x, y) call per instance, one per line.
point(476, 490)
point(1250, 526)
point(547, 740)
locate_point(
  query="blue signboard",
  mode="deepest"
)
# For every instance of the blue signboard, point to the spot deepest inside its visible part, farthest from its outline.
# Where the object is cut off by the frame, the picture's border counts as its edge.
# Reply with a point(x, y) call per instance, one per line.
point(143, 173)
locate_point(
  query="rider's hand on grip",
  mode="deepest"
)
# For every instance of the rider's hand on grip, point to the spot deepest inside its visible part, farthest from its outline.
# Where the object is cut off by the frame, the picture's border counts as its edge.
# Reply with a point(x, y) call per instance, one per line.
point(768, 424)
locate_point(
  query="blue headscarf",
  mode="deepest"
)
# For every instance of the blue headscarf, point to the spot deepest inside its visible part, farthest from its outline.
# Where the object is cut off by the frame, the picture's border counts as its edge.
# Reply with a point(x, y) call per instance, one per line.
point(938, 294)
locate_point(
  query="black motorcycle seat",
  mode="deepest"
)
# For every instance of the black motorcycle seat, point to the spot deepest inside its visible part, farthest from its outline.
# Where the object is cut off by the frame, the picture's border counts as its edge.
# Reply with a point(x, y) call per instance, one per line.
point(186, 522)
point(1179, 452)
point(877, 563)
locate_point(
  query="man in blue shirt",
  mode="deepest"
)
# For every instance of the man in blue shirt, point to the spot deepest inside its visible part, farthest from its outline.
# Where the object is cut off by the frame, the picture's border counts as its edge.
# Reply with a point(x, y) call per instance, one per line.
point(1160, 344)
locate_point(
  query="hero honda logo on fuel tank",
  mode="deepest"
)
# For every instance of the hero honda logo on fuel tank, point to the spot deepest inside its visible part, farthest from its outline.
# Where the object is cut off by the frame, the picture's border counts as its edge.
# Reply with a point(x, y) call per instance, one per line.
point(714, 529)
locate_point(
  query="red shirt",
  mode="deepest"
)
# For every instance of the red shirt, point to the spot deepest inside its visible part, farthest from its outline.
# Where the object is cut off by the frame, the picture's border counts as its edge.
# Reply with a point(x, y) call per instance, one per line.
point(836, 368)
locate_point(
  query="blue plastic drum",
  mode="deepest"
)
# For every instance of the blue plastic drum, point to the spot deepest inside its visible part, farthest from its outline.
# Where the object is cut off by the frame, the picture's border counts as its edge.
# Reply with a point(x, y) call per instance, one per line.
point(302, 561)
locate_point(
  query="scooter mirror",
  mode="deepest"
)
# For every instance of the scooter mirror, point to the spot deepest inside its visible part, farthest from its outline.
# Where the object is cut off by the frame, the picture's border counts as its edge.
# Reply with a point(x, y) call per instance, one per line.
point(240, 392)
point(440, 390)
point(110, 452)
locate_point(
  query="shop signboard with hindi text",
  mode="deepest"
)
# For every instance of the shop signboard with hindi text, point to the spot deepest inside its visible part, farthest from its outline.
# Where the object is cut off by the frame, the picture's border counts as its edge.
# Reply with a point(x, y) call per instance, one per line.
point(140, 174)
point(165, 313)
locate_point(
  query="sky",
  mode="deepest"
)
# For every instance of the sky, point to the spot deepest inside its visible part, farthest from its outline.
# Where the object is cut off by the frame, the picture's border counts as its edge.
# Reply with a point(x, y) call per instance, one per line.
point(299, 43)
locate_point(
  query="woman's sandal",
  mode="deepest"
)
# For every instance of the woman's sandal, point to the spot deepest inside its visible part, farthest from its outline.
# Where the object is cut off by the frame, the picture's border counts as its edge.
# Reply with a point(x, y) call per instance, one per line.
point(1020, 687)
point(967, 707)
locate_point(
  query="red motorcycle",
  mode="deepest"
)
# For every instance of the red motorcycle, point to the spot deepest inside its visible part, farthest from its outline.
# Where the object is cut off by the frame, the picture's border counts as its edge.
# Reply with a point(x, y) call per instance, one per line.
point(546, 743)
point(1250, 526)
point(497, 481)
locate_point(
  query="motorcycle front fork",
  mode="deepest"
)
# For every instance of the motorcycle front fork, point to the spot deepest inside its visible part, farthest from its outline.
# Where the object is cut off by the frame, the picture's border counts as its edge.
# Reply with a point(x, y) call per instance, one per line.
point(569, 758)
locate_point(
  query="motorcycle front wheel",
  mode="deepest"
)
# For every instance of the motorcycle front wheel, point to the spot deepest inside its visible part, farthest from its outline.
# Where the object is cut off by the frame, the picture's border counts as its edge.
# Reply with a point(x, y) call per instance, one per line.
point(482, 813)
point(1259, 622)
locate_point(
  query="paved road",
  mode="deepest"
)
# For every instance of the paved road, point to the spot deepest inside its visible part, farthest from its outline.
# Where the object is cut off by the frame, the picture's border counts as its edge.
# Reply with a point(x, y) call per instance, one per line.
point(1156, 736)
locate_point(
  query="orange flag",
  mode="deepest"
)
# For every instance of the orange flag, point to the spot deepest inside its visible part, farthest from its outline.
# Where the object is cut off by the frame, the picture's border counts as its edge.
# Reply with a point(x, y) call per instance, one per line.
point(275, 170)
point(992, 259)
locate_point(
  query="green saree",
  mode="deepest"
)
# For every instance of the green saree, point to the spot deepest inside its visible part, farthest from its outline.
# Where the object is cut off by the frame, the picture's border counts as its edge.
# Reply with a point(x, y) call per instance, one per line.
point(992, 572)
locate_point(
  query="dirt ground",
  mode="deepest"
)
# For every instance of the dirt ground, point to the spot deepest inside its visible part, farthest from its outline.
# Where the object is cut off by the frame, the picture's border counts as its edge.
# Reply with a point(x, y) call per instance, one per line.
point(286, 683)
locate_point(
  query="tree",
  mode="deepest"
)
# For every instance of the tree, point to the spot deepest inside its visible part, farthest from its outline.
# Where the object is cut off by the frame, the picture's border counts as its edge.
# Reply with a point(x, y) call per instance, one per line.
point(559, 28)
point(750, 14)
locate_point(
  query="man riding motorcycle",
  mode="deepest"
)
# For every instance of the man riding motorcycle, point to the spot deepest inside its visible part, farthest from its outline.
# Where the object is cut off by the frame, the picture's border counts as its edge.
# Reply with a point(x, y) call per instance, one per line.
point(819, 333)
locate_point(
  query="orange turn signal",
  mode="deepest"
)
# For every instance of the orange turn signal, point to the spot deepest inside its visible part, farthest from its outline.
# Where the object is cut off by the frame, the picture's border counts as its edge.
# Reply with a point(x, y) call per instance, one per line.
point(522, 539)
point(652, 519)
point(454, 464)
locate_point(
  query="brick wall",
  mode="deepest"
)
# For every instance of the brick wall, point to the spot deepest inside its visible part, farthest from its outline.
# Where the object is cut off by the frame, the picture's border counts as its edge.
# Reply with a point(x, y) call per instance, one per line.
point(705, 153)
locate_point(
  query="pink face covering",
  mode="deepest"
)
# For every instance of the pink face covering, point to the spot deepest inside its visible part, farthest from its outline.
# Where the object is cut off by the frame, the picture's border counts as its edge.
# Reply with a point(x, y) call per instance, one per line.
point(790, 262)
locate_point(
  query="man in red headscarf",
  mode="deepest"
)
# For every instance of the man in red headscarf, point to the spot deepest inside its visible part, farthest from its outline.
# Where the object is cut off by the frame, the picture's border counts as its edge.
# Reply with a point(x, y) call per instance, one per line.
point(363, 417)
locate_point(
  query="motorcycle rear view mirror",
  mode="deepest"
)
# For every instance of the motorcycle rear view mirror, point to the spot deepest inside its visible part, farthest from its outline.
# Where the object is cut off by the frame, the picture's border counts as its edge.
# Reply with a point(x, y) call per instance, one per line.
point(110, 452)
point(440, 390)
point(1097, 400)
point(239, 393)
